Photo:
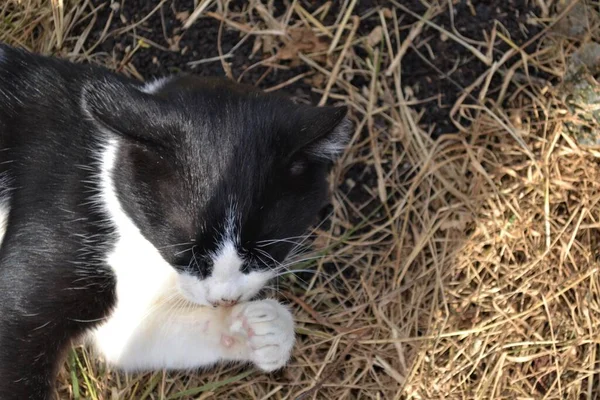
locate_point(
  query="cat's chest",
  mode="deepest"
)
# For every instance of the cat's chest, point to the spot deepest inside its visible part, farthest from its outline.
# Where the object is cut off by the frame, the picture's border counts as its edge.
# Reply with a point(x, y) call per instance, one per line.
point(142, 275)
point(4, 200)
point(4, 208)
point(144, 282)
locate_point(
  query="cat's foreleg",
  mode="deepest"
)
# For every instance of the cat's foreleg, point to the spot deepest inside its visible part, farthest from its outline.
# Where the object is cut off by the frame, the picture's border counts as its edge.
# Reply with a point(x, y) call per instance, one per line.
point(183, 337)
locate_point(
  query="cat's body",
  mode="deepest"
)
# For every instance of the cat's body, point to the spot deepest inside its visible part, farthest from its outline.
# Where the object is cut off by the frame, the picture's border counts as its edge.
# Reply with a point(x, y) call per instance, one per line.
point(146, 218)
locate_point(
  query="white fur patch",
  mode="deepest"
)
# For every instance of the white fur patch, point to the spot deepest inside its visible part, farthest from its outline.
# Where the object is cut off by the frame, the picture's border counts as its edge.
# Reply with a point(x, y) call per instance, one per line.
point(155, 85)
point(4, 210)
point(143, 276)
point(5, 185)
point(226, 262)
point(226, 282)
point(157, 315)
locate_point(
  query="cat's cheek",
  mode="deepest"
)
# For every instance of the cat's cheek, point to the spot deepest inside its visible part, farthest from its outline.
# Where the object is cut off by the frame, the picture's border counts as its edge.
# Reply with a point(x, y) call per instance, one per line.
point(193, 289)
point(255, 282)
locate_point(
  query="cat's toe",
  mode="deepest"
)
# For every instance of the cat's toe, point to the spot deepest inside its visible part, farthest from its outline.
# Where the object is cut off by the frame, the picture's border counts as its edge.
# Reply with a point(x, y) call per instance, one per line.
point(269, 329)
point(271, 358)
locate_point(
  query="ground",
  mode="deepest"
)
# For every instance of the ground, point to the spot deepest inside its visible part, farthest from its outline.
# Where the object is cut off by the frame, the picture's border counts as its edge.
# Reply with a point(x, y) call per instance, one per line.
point(458, 255)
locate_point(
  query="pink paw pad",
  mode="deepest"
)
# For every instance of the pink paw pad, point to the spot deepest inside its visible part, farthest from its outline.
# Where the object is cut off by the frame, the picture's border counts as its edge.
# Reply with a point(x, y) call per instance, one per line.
point(227, 341)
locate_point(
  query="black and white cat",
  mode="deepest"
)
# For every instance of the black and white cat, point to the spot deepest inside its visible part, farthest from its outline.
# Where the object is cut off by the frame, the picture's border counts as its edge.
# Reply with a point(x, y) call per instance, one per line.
point(146, 218)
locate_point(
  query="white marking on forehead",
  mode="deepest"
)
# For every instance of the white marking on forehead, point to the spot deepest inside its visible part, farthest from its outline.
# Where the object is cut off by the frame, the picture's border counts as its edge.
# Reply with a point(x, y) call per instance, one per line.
point(226, 261)
point(231, 233)
point(154, 85)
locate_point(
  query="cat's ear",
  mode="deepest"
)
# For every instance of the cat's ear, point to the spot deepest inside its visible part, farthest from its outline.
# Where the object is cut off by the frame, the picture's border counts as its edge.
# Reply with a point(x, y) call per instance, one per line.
point(125, 110)
point(325, 132)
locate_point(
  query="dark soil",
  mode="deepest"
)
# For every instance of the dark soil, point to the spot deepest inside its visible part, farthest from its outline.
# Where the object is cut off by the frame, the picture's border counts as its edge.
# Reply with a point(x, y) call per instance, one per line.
point(472, 18)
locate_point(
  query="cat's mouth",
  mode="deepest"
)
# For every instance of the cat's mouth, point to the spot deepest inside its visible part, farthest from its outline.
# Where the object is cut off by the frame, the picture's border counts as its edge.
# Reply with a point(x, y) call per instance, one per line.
point(210, 294)
point(225, 302)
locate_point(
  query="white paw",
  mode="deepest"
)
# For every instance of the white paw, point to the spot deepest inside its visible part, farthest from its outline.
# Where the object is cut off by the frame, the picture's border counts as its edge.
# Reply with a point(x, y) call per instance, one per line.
point(268, 328)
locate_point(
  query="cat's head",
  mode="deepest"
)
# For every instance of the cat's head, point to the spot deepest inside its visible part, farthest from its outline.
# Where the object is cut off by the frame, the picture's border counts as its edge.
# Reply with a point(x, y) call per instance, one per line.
point(220, 178)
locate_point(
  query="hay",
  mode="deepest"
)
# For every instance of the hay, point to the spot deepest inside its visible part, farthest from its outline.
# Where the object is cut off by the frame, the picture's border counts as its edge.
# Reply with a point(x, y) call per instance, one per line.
point(466, 269)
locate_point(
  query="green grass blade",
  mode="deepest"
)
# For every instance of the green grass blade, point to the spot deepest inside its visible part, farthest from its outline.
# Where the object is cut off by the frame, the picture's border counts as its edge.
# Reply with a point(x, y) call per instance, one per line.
point(73, 370)
point(210, 386)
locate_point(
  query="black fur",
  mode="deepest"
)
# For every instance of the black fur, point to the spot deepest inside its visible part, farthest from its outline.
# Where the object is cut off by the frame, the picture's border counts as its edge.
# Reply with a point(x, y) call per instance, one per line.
point(187, 153)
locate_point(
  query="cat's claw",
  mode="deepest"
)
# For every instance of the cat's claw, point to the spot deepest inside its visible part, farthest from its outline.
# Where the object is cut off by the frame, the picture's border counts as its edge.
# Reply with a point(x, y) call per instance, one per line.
point(268, 328)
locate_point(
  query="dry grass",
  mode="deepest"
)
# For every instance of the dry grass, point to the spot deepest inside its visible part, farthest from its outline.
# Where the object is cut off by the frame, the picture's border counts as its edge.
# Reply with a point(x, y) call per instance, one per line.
point(470, 271)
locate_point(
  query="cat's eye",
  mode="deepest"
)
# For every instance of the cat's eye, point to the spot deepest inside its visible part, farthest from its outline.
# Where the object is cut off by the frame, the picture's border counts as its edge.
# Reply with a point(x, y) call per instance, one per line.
point(297, 167)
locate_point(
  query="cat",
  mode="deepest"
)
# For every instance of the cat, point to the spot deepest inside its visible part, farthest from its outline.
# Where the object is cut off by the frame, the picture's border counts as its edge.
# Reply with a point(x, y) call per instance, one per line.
point(145, 218)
